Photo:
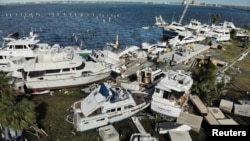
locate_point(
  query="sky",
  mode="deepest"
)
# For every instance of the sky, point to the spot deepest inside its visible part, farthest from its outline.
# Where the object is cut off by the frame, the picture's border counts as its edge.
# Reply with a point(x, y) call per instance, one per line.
point(226, 2)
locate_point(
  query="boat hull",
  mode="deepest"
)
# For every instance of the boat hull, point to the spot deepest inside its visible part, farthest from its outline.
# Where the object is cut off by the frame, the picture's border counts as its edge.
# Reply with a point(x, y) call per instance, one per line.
point(89, 123)
point(64, 83)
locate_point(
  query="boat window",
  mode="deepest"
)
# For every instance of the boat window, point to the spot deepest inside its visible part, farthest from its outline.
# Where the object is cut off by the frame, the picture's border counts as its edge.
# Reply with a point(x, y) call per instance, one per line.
point(112, 110)
point(11, 47)
point(159, 76)
point(86, 73)
point(19, 47)
point(157, 90)
point(119, 109)
point(101, 119)
point(86, 122)
point(66, 69)
point(128, 107)
point(166, 95)
point(52, 71)
point(81, 66)
point(1, 57)
point(36, 74)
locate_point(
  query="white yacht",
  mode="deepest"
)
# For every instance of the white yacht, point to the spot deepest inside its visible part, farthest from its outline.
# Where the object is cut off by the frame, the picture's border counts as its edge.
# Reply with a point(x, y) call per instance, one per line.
point(27, 47)
point(171, 94)
point(159, 21)
point(142, 137)
point(145, 79)
point(106, 105)
point(193, 25)
point(11, 63)
point(221, 34)
point(58, 70)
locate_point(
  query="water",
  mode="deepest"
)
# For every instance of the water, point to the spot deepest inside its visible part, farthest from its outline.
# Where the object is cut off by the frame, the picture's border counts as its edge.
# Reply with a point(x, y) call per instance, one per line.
point(97, 24)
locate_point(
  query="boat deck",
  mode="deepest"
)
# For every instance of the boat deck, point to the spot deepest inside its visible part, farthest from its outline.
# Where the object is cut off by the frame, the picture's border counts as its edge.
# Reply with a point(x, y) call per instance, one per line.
point(138, 98)
point(179, 57)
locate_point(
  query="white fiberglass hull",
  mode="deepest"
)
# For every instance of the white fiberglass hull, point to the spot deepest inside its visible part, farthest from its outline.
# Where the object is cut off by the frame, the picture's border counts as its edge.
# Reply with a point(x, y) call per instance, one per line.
point(88, 123)
point(165, 110)
point(59, 83)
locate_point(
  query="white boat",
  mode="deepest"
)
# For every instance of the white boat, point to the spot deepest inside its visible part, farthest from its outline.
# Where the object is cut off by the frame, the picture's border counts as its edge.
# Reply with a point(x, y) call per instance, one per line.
point(57, 71)
point(117, 57)
point(221, 34)
point(106, 105)
point(190, 39)
point(171, 94)
point(26, 47)
point(142, 137)
point(193, 25)
point(175, 32)
point(11, 63)
point(145, 79)
point(159, 21)
point(155, 48)
point(165, 127)
point(30, 47)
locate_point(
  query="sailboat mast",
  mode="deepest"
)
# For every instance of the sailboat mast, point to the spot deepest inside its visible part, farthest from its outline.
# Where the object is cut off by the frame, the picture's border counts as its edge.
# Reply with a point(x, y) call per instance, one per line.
point(184, 11)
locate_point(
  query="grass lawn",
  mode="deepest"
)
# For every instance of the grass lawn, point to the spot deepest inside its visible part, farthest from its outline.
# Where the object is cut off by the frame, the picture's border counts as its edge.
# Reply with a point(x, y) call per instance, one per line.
point(52, 110)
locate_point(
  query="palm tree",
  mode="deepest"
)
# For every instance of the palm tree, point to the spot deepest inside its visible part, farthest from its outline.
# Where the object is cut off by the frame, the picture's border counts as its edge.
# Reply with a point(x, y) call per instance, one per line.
point(16, 114)
point(215, 18)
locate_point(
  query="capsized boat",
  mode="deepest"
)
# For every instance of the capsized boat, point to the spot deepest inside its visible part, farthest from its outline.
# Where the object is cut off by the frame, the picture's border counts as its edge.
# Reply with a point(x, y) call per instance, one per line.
point(106, 105)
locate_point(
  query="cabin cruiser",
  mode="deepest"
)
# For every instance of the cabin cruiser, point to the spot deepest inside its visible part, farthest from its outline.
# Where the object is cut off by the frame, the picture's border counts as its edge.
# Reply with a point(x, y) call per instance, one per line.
point(146, 78)
point(142, 137)
point(11, 63)
point(221, 34)
point(27, 47)
point(173, 30)
point(171, 94)
point(107, 104)
point(159, 21)
point(117, 57)
point(193, 25)
point(58, 70)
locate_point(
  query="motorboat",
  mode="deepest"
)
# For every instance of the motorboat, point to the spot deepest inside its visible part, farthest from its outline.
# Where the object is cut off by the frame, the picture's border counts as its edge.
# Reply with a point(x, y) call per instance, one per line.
point(159, 21)
point(26, 47)
point(171, 94)
point(165, 127)
point(146, 78)
point(106, 105)
point(58, 70)
point(116, 57)
point(221, 34)
point(193, 25)
point(142, 137)
point(11, 63)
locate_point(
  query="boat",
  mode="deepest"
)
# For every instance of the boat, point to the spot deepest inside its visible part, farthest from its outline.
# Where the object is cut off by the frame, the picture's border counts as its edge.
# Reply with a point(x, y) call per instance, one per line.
point(221, 34)
point(146, 78)
point(159, 21)
point(165, 127)
point(116, 57)
point(106, 105)
point(58, 71)
point(193, 25)
point(11, 63)
point(174, 33)
point(142, 137)
point(171, 94)
point(155, 48)
point(27, 47)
